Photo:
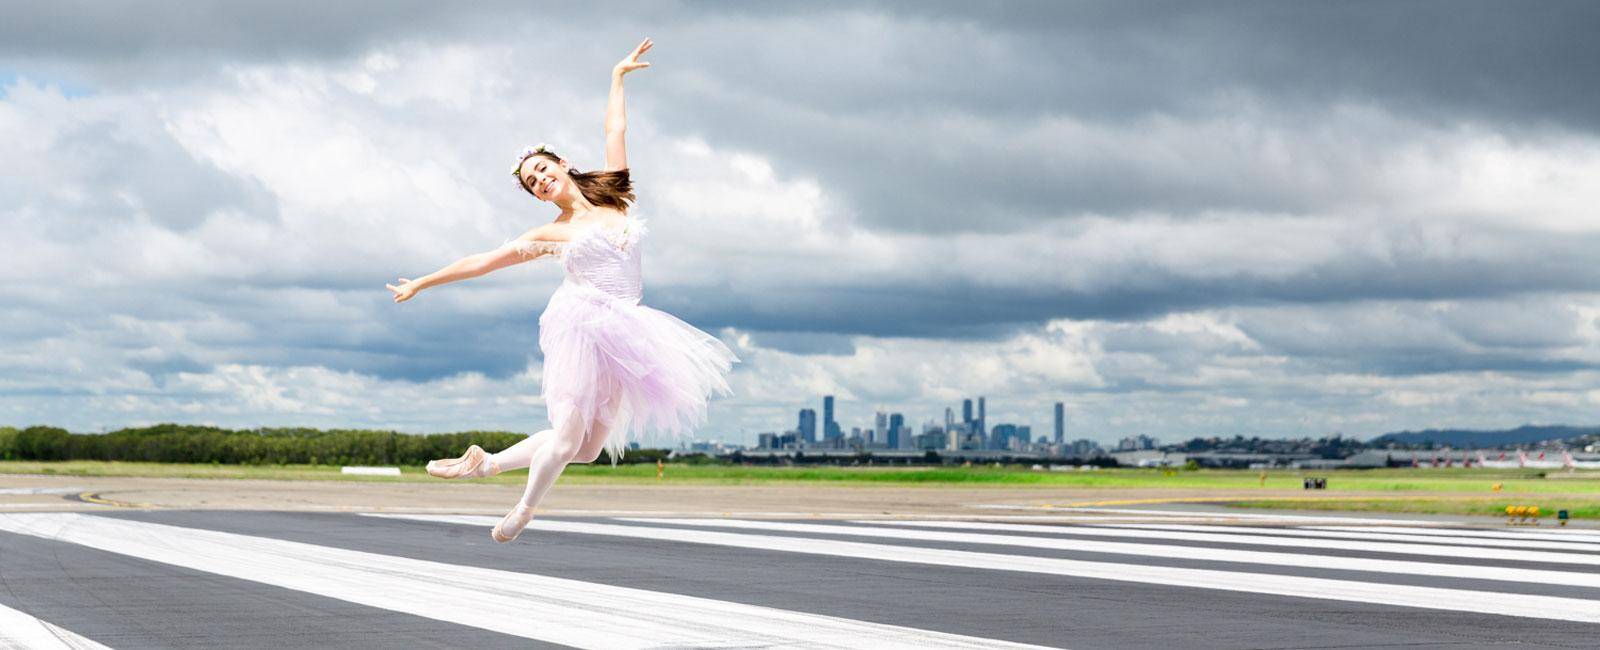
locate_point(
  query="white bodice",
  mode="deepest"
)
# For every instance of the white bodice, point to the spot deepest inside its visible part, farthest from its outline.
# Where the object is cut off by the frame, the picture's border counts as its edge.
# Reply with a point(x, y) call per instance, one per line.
point(607, 259)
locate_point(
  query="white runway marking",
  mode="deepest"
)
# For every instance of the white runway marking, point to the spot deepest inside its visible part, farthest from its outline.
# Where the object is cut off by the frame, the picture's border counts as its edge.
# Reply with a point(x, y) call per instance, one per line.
point(1200, 514)
point(1378, 534)
point(1434, 550)
point(1305, 561)
point(568, 612)
point(1485, 602)
point(1553, 534)
point(20, 631)
point(41, 490)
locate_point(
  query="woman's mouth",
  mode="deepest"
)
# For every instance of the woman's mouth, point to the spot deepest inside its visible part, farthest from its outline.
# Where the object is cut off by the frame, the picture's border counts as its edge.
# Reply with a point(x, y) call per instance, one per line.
point(549, 185)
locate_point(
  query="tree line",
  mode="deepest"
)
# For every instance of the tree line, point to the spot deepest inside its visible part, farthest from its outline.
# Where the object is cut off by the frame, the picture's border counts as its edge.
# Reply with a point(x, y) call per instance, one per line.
point(188, 443)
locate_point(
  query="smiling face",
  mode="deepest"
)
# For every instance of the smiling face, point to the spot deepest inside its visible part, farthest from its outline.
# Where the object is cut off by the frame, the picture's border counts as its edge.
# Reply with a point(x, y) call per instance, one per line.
point(546, 179)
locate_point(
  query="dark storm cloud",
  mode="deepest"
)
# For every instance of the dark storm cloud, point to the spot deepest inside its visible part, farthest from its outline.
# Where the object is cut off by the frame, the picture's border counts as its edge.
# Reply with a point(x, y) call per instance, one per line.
point(105, 31)
point(1513, 60)
point(904, 106)
point(1147, 288)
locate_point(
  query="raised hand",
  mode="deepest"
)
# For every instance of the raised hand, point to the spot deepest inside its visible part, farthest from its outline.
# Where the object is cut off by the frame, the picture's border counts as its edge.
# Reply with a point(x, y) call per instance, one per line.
point(403, 292)
point(631, 62)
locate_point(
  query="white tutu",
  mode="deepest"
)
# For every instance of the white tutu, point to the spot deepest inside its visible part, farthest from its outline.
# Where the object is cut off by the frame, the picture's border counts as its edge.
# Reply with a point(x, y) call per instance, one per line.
point(601, 345)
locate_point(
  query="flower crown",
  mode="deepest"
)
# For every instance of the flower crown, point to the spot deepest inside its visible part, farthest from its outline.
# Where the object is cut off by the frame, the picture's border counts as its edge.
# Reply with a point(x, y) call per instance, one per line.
point(528, 152)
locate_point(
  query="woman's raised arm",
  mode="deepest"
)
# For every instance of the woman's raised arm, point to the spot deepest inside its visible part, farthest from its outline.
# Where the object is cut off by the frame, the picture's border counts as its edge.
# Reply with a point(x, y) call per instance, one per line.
point(616, 115)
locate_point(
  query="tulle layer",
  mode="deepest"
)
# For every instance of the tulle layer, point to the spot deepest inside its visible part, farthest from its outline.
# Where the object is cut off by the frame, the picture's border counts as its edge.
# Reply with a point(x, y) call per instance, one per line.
point(599, 349)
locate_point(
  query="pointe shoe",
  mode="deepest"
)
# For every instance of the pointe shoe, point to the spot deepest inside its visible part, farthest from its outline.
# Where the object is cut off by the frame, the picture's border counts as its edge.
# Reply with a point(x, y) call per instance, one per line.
point(518, 518)
point(475, 463)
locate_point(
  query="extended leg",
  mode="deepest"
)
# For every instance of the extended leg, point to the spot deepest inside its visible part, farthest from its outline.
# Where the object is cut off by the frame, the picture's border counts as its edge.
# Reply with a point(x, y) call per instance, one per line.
point(521, 454)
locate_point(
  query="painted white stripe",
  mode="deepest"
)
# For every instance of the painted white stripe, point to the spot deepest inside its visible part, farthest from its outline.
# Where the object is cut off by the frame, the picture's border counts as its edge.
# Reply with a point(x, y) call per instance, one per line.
point(1484, 602)
point(568, 612)
point(1405, 567)
point(1218, 515)
point(23, 632)
point(1554, 534)
point(1378, 535)
point(1432, 550)
point(41, 490)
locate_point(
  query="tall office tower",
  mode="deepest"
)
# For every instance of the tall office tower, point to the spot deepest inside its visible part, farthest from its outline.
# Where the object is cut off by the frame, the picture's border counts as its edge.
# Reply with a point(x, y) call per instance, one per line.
point(880, 427)
point(1061, 423)
point(808, 426)
point(830, 428)
point(950, 441)
point(966, 411)
point(983, 421)
point(899, 437)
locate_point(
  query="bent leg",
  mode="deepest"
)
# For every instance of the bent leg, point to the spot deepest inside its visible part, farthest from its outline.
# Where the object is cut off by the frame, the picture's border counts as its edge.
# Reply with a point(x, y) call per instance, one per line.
point(552, 457)
point(599, 432)
point(594, 444)
point(571, 440)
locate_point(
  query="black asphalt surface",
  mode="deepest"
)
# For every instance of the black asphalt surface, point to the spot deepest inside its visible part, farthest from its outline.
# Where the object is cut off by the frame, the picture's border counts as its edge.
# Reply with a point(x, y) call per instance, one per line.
point(125, 602)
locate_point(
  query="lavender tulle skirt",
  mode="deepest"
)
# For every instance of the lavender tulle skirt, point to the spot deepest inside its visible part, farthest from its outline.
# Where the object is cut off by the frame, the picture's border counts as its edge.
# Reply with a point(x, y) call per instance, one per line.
point(628, 366)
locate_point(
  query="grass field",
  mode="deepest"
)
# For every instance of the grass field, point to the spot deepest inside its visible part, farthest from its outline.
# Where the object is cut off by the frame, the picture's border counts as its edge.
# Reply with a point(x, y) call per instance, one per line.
point(1385, 480)
point(1457, 491)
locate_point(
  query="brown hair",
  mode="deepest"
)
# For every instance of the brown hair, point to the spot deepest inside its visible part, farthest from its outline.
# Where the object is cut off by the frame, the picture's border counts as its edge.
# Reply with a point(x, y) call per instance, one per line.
point(611, 189)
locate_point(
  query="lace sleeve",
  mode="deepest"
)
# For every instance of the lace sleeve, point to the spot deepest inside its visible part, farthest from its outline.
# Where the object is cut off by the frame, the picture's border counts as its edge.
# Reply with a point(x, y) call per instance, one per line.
point(533, 248)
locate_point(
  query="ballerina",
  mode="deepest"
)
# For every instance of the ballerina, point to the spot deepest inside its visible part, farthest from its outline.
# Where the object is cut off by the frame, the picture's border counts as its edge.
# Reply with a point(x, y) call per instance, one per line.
point(612, 367)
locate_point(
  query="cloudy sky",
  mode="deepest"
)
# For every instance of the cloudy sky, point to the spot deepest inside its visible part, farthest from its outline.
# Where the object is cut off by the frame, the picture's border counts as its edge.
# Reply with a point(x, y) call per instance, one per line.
point(1180, 219)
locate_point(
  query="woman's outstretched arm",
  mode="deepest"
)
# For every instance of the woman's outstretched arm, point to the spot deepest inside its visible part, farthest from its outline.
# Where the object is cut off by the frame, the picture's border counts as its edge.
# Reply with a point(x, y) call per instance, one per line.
point(536, 243)
point(616, 115)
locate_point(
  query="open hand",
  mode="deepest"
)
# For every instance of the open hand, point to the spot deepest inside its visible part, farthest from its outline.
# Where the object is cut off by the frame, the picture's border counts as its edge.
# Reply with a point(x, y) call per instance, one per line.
point(404, 292)
point(631, 62)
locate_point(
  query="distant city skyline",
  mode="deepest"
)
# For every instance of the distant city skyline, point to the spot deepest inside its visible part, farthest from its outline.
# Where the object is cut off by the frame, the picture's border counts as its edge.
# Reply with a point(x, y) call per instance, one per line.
point(895, 430)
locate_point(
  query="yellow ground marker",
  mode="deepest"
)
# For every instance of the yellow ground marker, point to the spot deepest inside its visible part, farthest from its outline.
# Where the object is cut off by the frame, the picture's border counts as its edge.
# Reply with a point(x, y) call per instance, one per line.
point(94, 497)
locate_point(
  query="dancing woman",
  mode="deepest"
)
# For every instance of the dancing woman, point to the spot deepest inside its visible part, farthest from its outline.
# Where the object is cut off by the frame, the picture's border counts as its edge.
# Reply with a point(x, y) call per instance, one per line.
point(612, 366)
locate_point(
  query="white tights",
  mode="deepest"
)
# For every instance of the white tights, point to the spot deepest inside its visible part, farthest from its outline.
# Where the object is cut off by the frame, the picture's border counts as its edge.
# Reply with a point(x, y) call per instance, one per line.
point(546, 454)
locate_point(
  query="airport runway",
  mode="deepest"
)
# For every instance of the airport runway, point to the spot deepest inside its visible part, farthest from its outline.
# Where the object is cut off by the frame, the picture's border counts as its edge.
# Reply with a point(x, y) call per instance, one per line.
point(262, 579)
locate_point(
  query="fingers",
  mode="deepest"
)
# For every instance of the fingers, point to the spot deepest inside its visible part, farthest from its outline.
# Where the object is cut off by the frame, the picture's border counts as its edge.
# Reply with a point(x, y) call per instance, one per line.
point(401, 294)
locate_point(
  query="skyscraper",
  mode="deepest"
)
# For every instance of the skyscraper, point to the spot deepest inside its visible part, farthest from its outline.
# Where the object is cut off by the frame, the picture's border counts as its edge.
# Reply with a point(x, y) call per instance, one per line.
point(983, 420)
point(952, 441)
point(966, 411)
point(830, 428)
point(1061, 423)
point(808, 426)
point(899, 437)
